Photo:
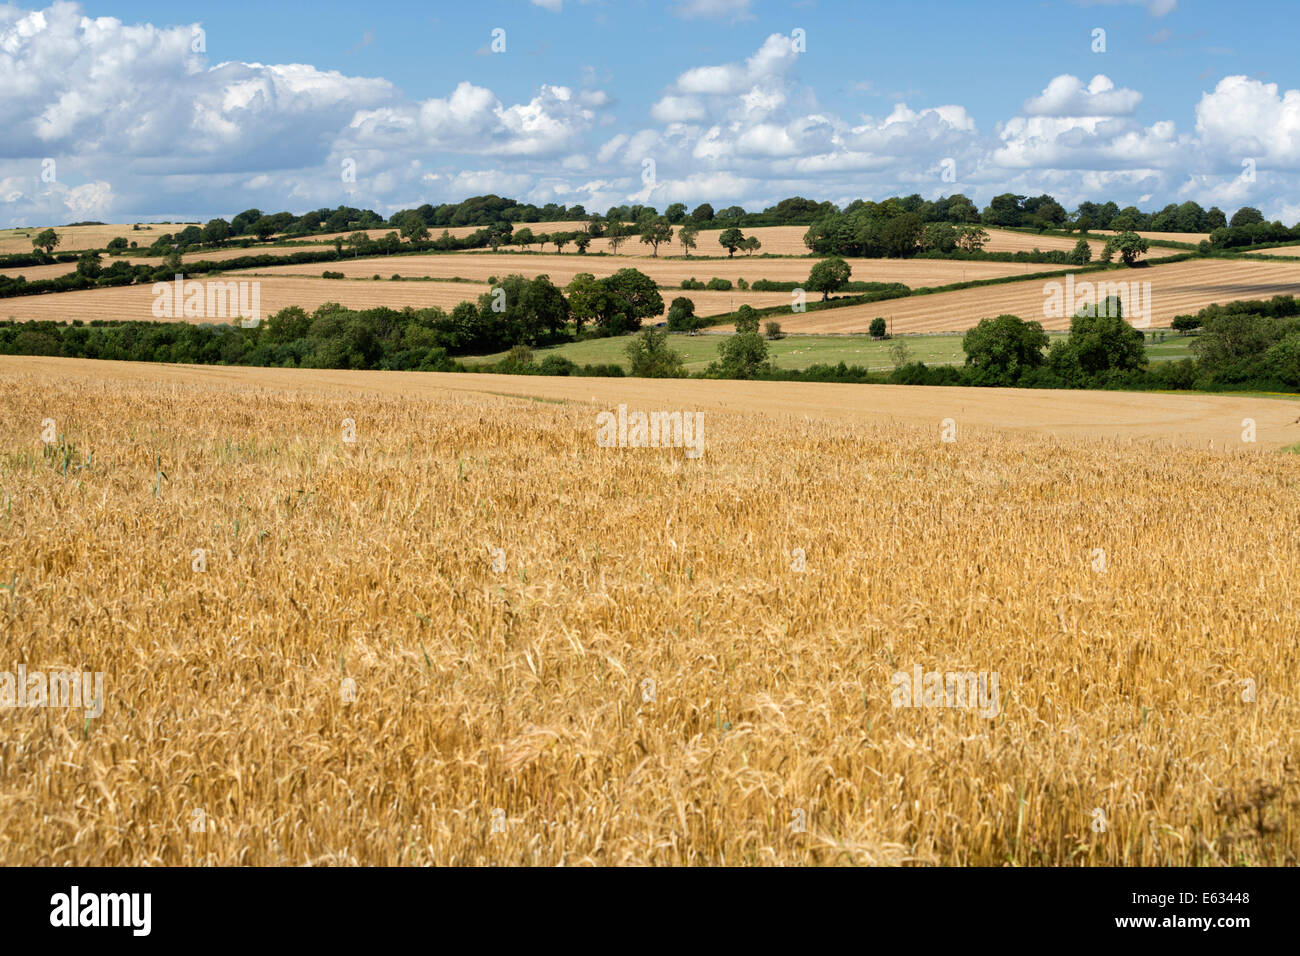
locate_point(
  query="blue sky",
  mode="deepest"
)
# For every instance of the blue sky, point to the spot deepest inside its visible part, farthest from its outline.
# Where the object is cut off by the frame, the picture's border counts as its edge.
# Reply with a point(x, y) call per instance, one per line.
point(607, 102)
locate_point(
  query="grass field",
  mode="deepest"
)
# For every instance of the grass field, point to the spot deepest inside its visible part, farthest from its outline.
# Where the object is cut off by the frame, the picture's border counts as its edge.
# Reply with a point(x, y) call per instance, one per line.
point(646, 671)
point(800, 351)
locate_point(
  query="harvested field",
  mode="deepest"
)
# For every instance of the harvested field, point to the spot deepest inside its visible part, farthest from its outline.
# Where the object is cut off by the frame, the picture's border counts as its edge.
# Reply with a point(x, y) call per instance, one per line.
point(640, 674)
point(776, 240)
point(1278, 251)
point(35, 273)
point(1177, 288)
point(1008, 240)
point(562, 268)
point(459, 232)
point(1192, 237)
point(221, 255)
point(788, 241)
point(135, 302)
point(72, 238)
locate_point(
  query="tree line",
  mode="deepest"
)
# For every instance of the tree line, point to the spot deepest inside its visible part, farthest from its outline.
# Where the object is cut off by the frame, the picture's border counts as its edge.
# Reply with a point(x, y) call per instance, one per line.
point(1245, 345)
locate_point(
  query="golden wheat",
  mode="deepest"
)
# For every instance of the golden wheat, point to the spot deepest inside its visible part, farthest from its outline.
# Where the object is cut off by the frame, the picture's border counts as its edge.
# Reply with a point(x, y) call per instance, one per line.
point(647, 678)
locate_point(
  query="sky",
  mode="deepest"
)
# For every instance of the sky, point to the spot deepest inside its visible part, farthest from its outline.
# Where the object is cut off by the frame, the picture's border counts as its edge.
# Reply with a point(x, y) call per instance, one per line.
point(148, 110)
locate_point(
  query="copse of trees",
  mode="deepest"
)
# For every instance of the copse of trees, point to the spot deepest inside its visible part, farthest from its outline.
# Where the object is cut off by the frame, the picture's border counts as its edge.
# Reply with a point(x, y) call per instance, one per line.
point(616, 304)
point(1101, 351)
point(878, 230)
point(1000, 351)
point(1253, 344)
point(1251, 234)
point(490, 209)
point(681, 315)
point(1101, 347)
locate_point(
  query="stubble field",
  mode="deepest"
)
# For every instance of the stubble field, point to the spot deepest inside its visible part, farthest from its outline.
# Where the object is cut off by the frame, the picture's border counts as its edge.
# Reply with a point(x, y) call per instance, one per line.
point(1176, 288)
point(668, 272)
point(640, 674)
point(136, 302)
point(72, 238)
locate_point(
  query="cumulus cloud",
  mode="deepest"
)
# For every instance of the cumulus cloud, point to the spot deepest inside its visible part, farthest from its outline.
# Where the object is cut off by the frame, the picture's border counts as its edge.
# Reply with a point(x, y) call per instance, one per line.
point(1244, 118)
point(70, 84)
point(473, 120)
point(1067, 96)
point(143, 124)
point(144, 108)
point(673, 109)
point(769, 62)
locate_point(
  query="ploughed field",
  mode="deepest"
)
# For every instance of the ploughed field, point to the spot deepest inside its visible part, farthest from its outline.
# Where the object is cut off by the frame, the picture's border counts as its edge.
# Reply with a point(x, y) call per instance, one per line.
point(472, 635)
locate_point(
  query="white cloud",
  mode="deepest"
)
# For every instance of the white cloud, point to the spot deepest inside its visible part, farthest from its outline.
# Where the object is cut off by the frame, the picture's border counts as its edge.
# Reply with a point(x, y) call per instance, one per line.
point(769, 62)
point(1067, 96)
point(1085, 142)
point(674, 109)
point(473, 120)
point(141, 124)
point(718, 185)
point(89, 199)
point(70, 84)
point(1244, 118)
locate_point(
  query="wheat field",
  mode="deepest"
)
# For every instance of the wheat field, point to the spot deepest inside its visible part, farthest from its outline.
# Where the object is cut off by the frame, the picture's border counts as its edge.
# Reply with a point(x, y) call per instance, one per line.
point(472, 636)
